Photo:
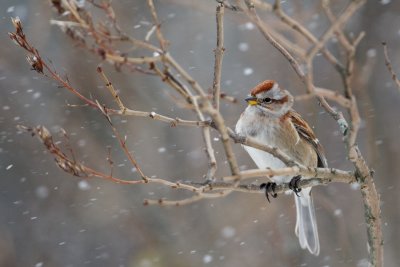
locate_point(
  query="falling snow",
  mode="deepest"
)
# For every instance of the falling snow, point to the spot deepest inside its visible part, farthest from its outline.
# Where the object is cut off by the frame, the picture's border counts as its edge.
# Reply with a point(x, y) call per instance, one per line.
point(248, 71)
point(30, 197)
point(36, 95)
point(355, 186)
point(82, 143)
point(371, 53)
point(10, 9)
point(247, 26)
point(243, 47)
point(228, 232)
point(84, 185)
point(207, 258)
point(42, 191)
point(378, 142)
point(338, 212)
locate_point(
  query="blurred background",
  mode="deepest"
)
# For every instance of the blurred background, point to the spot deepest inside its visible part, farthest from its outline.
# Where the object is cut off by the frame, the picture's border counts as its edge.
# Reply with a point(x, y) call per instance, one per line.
point(49, 218)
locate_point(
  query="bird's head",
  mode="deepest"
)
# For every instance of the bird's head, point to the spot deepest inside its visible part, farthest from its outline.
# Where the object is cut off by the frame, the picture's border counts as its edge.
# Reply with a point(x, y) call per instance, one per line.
point(270, 98)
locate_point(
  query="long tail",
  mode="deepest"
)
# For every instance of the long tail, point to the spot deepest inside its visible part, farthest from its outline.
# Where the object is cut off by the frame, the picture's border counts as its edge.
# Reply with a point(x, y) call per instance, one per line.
point(306, 224)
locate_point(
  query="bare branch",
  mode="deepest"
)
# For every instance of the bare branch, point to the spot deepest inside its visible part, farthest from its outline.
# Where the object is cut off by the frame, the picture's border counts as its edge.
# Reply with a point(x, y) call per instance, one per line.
point(323, 173)
point(371, 200)
point(215, 114)
point(388, 64)
point(344, 17)
point(316, 176)
point(219, 51)
point(328, 94)
point(252, 14)
point(295, 25)
point(112, 90)
point(123, 59)
point(157, 24)
point(248, 141)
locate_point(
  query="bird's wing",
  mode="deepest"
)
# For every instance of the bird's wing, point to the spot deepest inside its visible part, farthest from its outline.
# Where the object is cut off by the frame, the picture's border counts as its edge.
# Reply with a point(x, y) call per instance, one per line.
point(305, 132)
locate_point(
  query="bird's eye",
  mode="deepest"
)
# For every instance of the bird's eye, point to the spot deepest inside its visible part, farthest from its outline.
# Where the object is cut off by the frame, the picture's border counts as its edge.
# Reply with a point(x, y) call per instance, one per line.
point(267, 100)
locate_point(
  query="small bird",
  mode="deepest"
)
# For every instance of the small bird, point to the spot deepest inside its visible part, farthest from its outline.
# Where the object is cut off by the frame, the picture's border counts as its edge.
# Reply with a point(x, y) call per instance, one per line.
point(270, 119)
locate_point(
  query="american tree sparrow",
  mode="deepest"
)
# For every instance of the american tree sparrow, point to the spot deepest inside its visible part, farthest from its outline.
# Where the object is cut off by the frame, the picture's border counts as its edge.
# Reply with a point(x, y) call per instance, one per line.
point(270, 119)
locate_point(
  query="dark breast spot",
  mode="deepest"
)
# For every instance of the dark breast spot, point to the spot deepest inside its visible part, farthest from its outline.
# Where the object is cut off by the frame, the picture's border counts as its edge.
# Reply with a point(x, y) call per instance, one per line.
point(252, 132)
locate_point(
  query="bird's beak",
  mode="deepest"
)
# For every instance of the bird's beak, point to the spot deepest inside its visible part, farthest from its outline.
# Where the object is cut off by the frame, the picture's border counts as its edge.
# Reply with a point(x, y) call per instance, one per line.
point(251, 100)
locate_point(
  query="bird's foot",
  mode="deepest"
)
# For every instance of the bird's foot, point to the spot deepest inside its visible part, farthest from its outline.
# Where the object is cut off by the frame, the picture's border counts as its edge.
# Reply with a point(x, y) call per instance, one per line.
point(269, 189)
point(294, 184)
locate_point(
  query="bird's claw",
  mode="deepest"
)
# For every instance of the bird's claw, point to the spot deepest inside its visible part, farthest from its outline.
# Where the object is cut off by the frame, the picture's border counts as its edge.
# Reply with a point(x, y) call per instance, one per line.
point(269, 190)
point(294, 184)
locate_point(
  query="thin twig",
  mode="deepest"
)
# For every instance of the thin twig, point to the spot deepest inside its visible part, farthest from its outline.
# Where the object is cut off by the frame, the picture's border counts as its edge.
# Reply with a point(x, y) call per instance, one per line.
point(249, 141)
point(252, 14)
point(157, 24)
point(328, 94)
point(339, 33)
point(133, 60)
point(122, 143)
point(350, 48)
point(218, 54)
point(344, 17)
point(295, 25)
point(388, 64)
point(207, 106)
point(112, 90)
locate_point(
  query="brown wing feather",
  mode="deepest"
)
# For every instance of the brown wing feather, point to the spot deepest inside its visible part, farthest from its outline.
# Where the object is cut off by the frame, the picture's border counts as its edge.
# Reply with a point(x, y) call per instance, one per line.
point(305, 132)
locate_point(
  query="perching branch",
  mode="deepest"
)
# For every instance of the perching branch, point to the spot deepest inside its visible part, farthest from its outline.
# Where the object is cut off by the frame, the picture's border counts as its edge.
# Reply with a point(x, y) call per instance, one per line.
point(213, 189)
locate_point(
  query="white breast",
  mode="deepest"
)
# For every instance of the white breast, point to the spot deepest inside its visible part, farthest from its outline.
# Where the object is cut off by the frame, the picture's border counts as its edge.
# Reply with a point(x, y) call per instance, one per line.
point(264, 160)
point(264, 135)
